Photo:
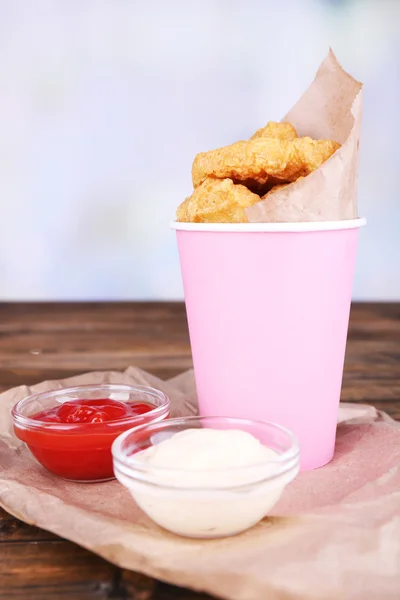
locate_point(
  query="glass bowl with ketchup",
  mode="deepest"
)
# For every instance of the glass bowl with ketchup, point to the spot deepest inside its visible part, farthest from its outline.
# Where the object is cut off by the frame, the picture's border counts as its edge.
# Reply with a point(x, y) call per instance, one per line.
point(70, 431)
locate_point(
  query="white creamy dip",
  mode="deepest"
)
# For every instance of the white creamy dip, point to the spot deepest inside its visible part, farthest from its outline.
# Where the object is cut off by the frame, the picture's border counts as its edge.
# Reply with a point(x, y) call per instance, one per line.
point(206, 482)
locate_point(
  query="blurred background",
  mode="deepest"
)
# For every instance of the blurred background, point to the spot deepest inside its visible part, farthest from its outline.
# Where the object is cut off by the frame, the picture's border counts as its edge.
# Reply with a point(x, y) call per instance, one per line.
point(104, 104)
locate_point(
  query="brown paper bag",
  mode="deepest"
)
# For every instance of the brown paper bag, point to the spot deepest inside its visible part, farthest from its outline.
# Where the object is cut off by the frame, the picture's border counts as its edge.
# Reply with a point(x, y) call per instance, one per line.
point(329, 109)
point(335, 534)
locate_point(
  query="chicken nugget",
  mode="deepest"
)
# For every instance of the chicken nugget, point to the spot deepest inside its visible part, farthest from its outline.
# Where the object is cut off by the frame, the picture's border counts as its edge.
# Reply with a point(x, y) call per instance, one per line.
point(252, 160)
point(314, 152)
point(217, 201)
point(257, 188)
point(281, 131)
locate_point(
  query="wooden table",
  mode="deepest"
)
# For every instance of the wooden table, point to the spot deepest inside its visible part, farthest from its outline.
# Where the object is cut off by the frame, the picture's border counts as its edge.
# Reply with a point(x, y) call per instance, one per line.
point(52, 341)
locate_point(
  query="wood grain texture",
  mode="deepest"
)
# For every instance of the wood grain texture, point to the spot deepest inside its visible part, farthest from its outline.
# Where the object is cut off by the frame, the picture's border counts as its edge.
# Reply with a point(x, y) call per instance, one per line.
point(52, 341)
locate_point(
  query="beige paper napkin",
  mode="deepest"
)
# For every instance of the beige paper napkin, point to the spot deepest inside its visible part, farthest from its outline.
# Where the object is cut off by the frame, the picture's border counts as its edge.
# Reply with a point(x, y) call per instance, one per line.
point(335, 534)
point(329, 109)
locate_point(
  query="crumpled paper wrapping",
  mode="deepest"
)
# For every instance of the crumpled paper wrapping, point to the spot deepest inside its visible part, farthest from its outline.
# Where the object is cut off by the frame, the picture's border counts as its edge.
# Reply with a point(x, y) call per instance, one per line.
point(335, 534)
point(329, 109)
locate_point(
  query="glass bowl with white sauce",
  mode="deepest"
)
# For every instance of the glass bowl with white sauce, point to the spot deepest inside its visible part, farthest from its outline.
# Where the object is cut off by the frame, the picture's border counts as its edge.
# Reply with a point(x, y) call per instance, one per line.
point(206, 477)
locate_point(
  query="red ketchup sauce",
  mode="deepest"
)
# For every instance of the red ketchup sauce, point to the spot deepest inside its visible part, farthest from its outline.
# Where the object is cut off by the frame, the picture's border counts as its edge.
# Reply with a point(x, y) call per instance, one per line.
point(81, 452)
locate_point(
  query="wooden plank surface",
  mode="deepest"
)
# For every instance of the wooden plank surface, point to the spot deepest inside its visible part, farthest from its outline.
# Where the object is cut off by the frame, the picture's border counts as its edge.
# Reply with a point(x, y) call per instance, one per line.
point(52, 341)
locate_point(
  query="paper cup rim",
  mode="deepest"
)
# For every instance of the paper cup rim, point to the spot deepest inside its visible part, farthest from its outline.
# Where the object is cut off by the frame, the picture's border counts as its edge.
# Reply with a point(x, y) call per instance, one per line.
point(270, 227)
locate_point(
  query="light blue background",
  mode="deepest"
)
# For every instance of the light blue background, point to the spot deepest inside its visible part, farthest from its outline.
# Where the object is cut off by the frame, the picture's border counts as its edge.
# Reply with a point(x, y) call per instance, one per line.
point(104, 104)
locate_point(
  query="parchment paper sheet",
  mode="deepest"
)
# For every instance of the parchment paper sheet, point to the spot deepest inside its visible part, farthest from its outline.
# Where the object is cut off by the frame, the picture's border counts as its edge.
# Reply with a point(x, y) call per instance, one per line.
point(329, 109)
point(335, 534)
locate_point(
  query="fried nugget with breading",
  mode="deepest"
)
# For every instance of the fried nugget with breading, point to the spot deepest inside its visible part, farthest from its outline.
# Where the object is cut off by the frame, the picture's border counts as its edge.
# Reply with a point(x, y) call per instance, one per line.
point(217, 201)
point(281, 131)
point(249, 160)
point(314, 152)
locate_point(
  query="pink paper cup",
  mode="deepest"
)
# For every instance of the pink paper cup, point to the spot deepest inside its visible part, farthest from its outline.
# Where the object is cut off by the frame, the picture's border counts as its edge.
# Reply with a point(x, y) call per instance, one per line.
point(268, 310)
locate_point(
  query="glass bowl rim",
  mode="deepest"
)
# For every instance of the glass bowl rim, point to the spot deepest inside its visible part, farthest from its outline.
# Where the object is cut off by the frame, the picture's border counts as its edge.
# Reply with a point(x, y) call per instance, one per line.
point(287, 460)
point(26, 422)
